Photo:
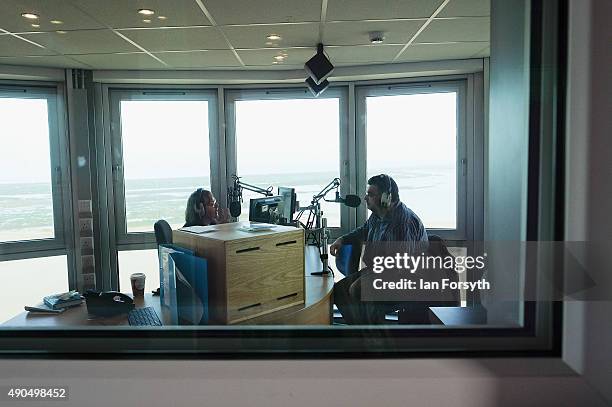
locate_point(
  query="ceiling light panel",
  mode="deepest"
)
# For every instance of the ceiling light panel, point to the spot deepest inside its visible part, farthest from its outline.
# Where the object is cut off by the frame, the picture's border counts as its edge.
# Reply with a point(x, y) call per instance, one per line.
point(356, 33)
point(83, 42)
point(255, 36)
point(177, 39)
point(353, 10)
point(264, 11)
point(460, 29)
point(123, 13)
point(467, 8)
point(72, 17)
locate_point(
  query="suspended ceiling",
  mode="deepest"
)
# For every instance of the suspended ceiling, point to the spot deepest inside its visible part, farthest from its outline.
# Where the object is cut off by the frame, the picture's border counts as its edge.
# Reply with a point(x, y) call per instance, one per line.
point(231, 34)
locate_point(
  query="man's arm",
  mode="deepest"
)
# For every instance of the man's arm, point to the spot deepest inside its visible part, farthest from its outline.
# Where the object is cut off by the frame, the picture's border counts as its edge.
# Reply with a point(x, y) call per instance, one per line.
point(357, 236)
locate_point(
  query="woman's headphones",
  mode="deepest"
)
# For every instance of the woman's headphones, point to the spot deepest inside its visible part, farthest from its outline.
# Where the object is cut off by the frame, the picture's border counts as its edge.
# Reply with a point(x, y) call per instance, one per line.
point(387, 196)
point(199, 193)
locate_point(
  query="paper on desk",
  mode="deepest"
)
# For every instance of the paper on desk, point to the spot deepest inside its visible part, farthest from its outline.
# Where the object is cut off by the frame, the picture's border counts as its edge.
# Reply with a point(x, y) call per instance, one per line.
point(198, 229)
point(253, 227)
point(43, 309)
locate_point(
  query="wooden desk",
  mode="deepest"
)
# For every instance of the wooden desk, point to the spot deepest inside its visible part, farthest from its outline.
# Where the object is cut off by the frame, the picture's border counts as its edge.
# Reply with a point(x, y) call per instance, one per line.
point(315, 311)
point(78, 316)
point(250, 274)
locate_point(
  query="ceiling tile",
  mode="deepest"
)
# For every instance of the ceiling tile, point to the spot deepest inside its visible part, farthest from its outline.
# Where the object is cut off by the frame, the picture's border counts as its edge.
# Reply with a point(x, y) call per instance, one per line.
point(467, 8)
point(380, 9)
point(254, 36)
point(459, 29)
point(362, 54)
point(71, 17)
point(11, 46)
point(124, 13)
point(50, 61)
point(434, 52)
point(199, 59)
point(177, 39)
point(83, 42)
point(139, 60)
point(295, 56)
point(263, 11)
point(356, 33)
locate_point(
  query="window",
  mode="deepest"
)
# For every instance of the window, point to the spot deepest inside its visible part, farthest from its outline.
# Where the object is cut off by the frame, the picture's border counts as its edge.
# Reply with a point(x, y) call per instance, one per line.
point(26, 197)
point(416, 134)
point(287, 138)
point(138, 261)
point(35, 208)
point(27, 281)
point(161, 149)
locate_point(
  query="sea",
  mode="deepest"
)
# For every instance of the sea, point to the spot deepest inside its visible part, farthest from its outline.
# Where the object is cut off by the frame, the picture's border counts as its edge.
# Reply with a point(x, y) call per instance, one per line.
point(26, 209)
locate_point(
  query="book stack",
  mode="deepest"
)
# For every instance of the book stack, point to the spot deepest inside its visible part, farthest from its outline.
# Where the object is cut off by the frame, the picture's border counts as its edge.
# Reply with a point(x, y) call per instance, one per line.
point(63, 300)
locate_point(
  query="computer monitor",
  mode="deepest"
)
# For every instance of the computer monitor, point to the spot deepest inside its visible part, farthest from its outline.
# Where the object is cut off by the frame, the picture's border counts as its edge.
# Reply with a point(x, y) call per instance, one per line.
point(267, 210)
point(290, 199)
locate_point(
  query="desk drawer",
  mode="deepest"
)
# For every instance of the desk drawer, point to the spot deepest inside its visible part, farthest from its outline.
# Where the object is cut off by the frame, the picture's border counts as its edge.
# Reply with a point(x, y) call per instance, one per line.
point(264, 275)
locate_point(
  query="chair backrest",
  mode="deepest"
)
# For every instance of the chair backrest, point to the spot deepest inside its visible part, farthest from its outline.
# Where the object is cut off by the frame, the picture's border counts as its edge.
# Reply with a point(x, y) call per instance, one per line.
point(437, 247)
point(163, 232)
point(347, 259)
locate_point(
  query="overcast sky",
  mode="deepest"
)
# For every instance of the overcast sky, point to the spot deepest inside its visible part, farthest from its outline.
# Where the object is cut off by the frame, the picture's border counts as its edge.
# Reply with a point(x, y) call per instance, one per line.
point(170, 138)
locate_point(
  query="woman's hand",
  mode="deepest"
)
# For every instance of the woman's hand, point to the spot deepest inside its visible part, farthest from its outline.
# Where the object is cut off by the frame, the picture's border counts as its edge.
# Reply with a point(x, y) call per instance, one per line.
point(223, 215)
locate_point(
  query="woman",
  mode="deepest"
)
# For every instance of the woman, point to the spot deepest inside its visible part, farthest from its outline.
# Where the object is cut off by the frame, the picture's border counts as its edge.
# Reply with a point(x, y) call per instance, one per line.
point(203, 210)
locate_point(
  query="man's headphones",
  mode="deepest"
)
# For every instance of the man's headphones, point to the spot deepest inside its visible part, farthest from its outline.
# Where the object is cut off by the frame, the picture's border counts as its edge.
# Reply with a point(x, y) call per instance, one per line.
point(387, 196)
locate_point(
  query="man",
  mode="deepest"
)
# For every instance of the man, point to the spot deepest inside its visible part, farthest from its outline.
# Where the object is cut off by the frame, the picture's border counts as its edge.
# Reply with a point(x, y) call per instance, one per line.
point(390, 221)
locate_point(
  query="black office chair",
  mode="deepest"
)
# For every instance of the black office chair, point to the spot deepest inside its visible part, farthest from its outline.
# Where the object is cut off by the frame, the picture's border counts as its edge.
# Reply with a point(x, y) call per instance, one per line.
point(163, 235)
point(163, 232)
point(417, 312)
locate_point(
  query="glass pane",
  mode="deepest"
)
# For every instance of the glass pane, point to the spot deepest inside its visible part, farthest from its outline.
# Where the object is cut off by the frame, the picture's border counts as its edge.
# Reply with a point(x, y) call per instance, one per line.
point(290, 143)
point(165, 158)
point(26, 204)
point(138, 261)
point(413, 138)
point(27, 281)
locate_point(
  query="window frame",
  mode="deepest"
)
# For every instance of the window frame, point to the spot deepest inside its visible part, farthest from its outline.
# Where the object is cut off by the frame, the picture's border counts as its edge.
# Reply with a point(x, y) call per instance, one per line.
point(466, 160)
point(262, 92)
point(61, 189)
point(145, 240)
point(115, 237)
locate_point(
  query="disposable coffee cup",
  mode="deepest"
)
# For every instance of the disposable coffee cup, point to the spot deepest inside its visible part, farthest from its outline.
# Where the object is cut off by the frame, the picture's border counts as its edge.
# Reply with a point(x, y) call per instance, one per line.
point(138, 284)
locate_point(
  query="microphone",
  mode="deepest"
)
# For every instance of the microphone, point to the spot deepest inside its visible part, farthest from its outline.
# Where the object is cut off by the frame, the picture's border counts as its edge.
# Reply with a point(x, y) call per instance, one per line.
point(235, 208)
point(234, 196)
point(350, 200)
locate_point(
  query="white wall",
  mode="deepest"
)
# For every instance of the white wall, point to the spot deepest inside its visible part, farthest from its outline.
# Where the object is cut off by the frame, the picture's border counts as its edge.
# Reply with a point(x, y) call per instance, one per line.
point(435, 382)
point(588, 325)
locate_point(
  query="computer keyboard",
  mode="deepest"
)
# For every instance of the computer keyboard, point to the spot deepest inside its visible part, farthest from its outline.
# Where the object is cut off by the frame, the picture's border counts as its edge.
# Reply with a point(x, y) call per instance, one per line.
point(144, 317)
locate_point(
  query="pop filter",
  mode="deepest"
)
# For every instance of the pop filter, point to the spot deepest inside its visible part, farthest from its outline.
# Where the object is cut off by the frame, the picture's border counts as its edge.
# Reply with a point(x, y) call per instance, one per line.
point(352, 200)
